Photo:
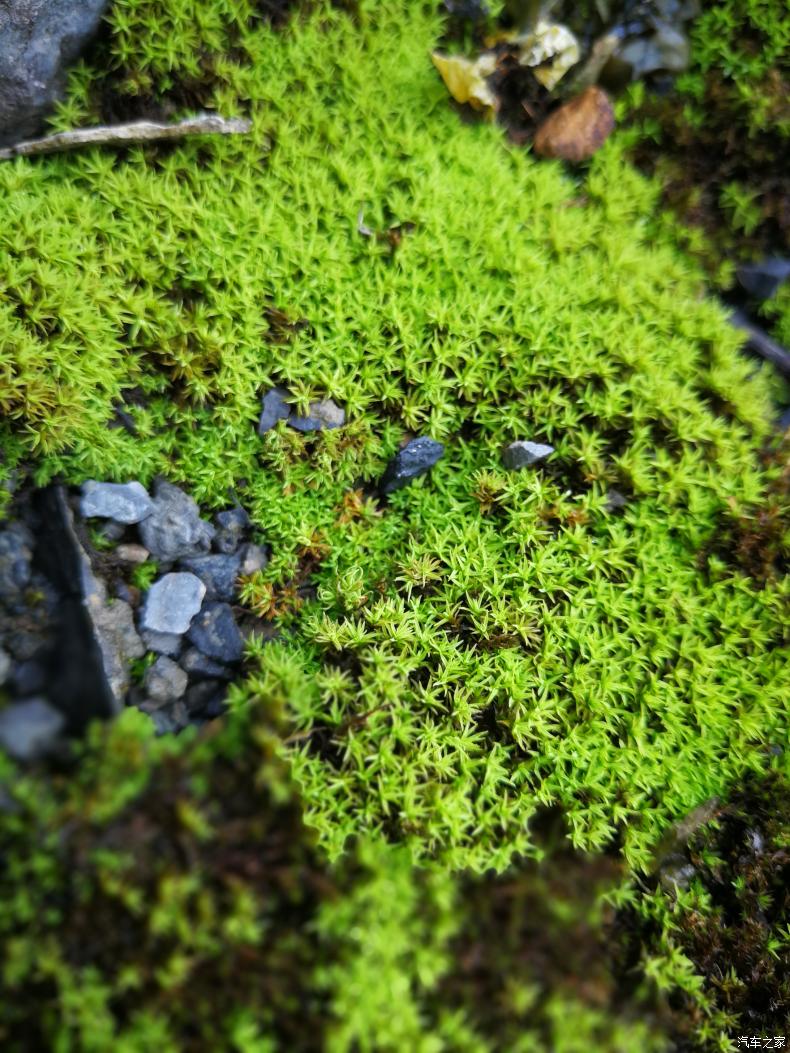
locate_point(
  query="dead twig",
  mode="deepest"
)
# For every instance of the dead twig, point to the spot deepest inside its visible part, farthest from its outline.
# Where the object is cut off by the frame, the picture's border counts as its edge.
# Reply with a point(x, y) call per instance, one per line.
point(758, 341)
point(133, 132)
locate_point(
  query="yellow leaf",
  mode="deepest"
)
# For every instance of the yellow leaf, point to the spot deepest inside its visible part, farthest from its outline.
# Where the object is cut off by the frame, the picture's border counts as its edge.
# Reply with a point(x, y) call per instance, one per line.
point(466, 80)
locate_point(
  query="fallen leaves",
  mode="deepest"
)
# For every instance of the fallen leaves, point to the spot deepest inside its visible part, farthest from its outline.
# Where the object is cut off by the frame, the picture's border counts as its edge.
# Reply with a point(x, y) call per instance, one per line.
point(465, 79)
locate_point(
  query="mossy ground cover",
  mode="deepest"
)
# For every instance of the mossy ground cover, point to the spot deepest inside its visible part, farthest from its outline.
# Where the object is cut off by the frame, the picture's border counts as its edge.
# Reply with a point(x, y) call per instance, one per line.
point(484, 645)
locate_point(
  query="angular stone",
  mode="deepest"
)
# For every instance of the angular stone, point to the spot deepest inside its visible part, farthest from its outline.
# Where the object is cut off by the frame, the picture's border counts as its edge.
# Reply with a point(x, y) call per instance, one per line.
point(28, 730)
point(322, 414)
point(165, 681)
point(113, 622)
point(174, 529)
point(253, 558)
point(215, 633)
point(39, 39)
point(416, 458)
point(163, 643)
point(172, 602)
point(523, 454)
point(273, 408)
point(762, 280)
point(200, 666)
point(218, 573)
point(16, 553)
point(578, 128)
point(124, 502)
point(231, 526)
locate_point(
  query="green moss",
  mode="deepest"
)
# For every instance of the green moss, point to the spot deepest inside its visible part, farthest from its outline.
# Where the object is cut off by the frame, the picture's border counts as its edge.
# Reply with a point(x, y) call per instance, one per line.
point(484, 645)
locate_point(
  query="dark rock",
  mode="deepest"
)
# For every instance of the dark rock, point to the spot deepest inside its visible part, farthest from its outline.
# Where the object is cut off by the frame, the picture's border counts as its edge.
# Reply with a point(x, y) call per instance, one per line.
point(231, 526)
point(322, 414)
point(5, 666)
point(761, 280)
point(164, 680)
point(218, 574)
point(273, 408)
point(171, 603)
point(95, 637)
point(523, 454)
point(16, 553)
point(29, 730)
point(162, 643)
point(473, 10)
point(39, 39)
point(24, 644)
point(215, 633)
point(252, 559)
point(29, 678)
point(200, 666)
point(168, 718)
point(205, 699)
point(416, 458)
point(174, 529)
point(123, 502)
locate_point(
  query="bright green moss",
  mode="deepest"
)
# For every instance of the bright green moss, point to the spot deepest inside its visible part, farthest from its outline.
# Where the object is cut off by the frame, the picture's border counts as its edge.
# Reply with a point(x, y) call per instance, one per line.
point(486, 644)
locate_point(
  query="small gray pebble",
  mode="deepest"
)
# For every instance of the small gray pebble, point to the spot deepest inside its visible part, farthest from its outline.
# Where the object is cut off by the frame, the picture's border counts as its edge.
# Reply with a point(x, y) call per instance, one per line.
point(165, 681)
point(218, 573)
point(762, 280)
point(174, 529)
point(253, 558)
point(524, 454)
point(132, 553)
point(16, 553)
point(231, 525)
point(273, 408)
point(322, 414)
point(28, 730)
point(416, 458)
point(215, 633)
point(172, 602)
point(123, 502)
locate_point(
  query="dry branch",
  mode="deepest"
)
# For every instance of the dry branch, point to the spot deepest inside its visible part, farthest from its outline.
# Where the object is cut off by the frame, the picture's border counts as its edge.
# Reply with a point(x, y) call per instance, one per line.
point(133, 132)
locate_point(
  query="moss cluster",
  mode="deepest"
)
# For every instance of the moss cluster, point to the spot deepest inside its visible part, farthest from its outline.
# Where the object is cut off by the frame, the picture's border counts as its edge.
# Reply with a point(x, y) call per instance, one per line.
point(486, 644)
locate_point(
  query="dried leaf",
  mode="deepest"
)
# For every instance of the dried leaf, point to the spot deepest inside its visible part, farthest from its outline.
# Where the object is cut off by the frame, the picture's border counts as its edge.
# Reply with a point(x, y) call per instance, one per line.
point(578, 128)
point(466, 79)
point(550, 50)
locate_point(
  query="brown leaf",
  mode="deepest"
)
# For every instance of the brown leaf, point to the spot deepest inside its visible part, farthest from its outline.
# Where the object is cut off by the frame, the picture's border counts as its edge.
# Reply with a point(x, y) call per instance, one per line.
point(578, 128)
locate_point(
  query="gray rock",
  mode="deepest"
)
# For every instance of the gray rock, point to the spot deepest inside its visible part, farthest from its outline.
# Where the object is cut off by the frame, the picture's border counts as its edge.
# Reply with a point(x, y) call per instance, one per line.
point(172, 602)
point(273, 408)
point(763, 279)
point(523, 454)
point(200, 666)
point(119, 642)
point(123, 502)
point(96, 637)
point(169, 717)
point(231, 527)
point(16, 553)
point(416, 458)
point(5, 666)
point(615, 501)
point(165, 681)
point(39, 39)
point(174, 529)
point(218, 574)
point(666, 49)
point(253, 558)
point(29, 678)
point(162, 643)
point(215, 633)
point(29, 730)
point(322, 414)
